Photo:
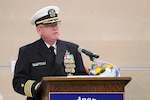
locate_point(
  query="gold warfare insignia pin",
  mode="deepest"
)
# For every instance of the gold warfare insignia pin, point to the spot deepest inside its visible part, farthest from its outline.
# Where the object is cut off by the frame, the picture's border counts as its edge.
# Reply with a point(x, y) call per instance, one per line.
point(52, 13)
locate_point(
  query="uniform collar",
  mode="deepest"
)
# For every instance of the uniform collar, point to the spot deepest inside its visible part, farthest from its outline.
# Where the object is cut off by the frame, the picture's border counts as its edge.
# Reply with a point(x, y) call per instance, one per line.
point(54, 45)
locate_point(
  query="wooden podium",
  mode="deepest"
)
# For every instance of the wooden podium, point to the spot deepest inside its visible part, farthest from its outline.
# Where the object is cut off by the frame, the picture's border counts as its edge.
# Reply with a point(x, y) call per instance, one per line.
point(82, 84)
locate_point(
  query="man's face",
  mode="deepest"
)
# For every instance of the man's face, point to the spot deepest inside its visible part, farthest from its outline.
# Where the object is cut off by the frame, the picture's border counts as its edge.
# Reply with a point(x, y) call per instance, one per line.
point(48, 32)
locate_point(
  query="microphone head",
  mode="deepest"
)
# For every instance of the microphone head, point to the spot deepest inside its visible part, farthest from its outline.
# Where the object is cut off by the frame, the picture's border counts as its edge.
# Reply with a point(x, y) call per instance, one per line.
point(80, 49)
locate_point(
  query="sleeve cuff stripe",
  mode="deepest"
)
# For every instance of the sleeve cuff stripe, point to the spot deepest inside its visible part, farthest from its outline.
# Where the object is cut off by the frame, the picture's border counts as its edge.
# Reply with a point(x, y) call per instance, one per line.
point(27, 88)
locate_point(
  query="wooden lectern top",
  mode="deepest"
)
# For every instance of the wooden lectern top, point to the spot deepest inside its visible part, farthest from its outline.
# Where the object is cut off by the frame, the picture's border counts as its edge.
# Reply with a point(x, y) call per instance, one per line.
point(87, 78)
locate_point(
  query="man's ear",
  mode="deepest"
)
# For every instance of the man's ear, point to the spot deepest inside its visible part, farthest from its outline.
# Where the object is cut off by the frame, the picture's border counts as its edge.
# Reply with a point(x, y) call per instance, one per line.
point(38, 30)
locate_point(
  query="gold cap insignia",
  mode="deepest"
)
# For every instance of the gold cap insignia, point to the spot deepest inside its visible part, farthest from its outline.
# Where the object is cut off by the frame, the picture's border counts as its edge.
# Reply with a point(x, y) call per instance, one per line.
point(52, 13)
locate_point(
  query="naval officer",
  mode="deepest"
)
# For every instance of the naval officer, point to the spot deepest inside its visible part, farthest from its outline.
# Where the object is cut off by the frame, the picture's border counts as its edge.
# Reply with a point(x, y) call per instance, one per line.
point(47, 56)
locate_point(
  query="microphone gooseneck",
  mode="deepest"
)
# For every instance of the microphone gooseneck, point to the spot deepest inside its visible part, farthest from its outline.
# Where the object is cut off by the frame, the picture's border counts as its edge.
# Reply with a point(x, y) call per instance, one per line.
point(88, 53)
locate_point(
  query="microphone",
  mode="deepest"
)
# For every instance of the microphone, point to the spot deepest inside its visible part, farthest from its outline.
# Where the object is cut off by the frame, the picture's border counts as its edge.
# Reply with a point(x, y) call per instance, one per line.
point(88, 53)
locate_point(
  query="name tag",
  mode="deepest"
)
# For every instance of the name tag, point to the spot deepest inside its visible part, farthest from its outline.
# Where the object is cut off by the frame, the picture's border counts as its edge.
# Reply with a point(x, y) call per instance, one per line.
point(38, 64)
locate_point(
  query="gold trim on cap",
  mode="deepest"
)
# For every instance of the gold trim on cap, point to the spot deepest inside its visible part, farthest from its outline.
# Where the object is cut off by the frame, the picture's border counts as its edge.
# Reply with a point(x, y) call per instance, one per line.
point(27, 88)
point(49, 20)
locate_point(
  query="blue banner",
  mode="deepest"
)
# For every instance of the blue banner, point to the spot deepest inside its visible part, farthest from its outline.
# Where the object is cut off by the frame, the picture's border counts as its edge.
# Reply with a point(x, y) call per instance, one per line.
point(86, 96)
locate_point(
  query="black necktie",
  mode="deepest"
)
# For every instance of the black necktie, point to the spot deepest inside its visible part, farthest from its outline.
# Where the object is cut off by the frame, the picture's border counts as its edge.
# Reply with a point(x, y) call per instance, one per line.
point(51, 48)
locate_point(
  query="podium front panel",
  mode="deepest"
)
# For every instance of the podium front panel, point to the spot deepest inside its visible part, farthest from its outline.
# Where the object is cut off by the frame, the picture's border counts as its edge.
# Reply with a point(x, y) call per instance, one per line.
point(82, 84)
